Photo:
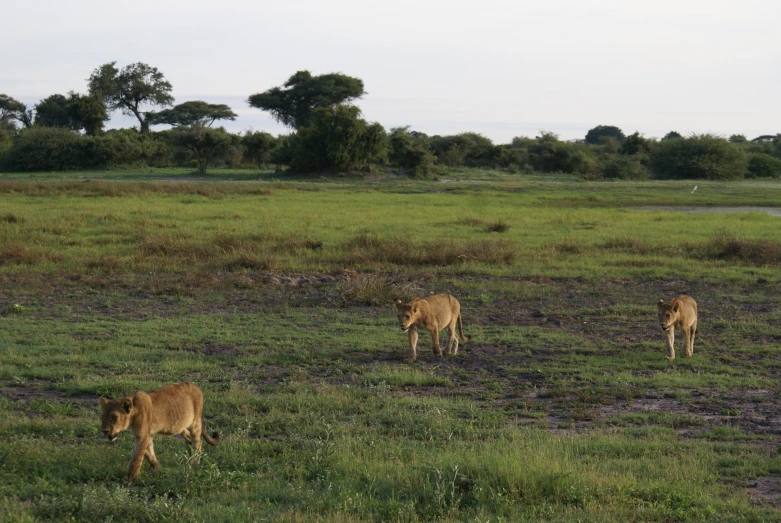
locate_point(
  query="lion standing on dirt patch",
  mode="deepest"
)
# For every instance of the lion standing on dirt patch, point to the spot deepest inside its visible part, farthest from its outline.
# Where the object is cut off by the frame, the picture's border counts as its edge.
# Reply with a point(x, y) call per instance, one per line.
point(679, 313)
point(171, 410)
point(437, 312)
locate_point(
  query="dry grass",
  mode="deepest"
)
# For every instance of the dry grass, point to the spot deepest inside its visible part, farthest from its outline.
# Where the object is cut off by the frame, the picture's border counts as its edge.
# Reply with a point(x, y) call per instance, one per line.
point(751, 251)
point(367, 248)
point(378, 289)
point(116, 189)
point(10, 217)
point(497, 226)
point(18, 254)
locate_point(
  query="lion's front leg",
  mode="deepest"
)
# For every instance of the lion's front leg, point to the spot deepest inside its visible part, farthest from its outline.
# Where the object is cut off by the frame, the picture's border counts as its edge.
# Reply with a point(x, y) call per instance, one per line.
point(139, 451)
point(150, 455)
point(670, 343)
point(413, 343)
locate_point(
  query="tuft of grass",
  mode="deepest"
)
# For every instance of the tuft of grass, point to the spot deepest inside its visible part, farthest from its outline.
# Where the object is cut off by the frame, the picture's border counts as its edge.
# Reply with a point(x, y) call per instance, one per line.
point(377, 289)
point(10, 217)
point(497, 226)
point(751, 251)
point(18, 254)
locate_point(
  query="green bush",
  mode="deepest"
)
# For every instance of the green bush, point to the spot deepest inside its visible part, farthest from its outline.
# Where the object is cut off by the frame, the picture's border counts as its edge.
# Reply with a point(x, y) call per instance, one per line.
point(337, 139)
point(257, 147)
point(49, 149)
point(126, 147)
point(470, 149)
point(763, 166)
point(410, 150)
point(702, 156)
point(625, 167)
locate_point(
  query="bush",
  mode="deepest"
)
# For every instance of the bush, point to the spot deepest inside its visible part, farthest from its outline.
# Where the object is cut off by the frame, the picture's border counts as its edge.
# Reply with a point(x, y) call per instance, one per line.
point(701, 156)
point(337, 139)
point(49, 149)
point(763, 166)
point(623, 167)
point(257, 147)
point(126, 147)
point(411, 151)
point(600, 131)
point(470, 149)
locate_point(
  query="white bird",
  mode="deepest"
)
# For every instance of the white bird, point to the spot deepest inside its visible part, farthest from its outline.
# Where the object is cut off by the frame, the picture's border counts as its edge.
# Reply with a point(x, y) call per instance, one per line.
point(695, 188)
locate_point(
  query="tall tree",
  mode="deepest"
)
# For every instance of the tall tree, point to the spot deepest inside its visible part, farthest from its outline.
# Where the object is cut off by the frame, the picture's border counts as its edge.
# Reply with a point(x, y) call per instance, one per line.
point(75, 112)
point(293, 103)
point(13, 109)
point(593, 135)
point(130, 88)
point(196, 113)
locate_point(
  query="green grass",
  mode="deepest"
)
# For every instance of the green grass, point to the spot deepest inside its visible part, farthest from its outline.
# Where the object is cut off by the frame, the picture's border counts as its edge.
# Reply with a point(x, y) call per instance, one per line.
point(275, 298)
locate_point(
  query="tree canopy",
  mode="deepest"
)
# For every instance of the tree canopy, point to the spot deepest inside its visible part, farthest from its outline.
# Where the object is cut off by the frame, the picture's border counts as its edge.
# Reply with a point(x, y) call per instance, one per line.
point(13, 109)
point(293, 103)
point(130, 88)
point(196, 113)
point(593, 136)
point(75, 112)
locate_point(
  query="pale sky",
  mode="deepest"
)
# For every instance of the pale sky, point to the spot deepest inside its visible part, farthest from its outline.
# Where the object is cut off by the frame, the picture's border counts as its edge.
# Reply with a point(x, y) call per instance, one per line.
point(500, 68)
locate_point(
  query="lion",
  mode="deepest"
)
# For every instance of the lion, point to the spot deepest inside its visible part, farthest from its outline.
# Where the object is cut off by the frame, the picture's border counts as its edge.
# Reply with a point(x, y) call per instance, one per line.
point(679, 313)
point(172, 410)
point(437, 312)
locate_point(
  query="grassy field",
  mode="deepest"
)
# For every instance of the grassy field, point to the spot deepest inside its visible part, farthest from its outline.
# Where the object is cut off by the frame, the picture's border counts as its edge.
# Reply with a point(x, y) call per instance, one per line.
point(274, 295)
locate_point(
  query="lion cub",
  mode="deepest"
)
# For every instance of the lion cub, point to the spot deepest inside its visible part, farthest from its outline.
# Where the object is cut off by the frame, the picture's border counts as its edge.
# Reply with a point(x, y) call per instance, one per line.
point(434, 313)
point(173, 409)
point(679, 313)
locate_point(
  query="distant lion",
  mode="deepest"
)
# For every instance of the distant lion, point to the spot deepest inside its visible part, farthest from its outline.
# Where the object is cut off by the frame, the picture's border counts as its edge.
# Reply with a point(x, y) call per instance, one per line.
point(434, 313)
point(171, 410)
point(679, 313)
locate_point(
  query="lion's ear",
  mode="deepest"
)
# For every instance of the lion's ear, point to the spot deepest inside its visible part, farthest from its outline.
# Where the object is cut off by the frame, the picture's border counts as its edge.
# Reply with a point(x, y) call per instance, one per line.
point(675, 307)
point(127, 404)
point(415, 309)
point(397, 303)
point(660, 302)
point(103, 402)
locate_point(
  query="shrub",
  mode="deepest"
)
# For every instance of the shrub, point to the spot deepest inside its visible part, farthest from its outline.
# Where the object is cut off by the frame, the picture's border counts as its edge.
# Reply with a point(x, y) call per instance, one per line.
point(257, 147)
point(412, 151)
point(49, 149)
point(601, 131)
point(464, 149)
point(701, 156)
point(337, 139)
point(763, 166)
point(624, 167)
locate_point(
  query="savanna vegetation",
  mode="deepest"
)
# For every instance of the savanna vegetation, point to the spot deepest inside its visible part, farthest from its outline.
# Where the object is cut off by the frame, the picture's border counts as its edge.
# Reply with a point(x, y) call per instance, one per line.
point(274, 294)
point(329, 136)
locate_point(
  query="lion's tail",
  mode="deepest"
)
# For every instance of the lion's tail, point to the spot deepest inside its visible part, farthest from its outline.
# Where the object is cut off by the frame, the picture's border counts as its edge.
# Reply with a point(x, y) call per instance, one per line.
point(461, 329)
point(212, 440)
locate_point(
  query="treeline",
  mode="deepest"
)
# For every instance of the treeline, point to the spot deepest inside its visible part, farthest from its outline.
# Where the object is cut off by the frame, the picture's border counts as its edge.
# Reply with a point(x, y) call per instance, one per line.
point(329, 135)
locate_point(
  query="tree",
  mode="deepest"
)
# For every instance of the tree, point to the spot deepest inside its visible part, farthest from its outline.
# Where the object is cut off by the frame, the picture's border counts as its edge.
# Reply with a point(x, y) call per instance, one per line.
point(702, 156)
point(671, 135)
point(337, 139)
point(637, 144)
point(258, 147)
point(593, 136)
point(130, 88)
point(411, 150)
point(75, 112)
point(293, 103)
point(195, 113)
point(205, 143)
point(54, 111)
point(12, 109)
point(738, 138)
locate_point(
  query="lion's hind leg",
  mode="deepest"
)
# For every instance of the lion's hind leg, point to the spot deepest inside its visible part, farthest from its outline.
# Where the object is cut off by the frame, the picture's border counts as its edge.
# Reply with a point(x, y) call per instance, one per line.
point(150, 455)
point(452, 339)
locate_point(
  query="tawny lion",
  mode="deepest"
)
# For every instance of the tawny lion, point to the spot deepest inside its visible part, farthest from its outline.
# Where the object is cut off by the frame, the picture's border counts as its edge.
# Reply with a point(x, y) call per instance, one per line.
point(679, 313)
point(172, 410)
point(434, 313)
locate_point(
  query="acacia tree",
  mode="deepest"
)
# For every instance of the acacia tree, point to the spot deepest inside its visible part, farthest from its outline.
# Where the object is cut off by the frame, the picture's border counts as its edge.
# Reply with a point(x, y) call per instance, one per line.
point(205, 143)
point(196, 113)
point(130, 88)
point(293, 103)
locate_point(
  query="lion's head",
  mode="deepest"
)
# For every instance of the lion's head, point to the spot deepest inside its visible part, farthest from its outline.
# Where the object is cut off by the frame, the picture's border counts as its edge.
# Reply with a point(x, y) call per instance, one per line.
point(668, 313)
point(407, 314)
point(115, 416)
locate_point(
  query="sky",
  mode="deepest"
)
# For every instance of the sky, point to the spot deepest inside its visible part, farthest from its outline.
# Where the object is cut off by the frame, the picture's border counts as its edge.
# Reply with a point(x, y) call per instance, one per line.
point(500, 68)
